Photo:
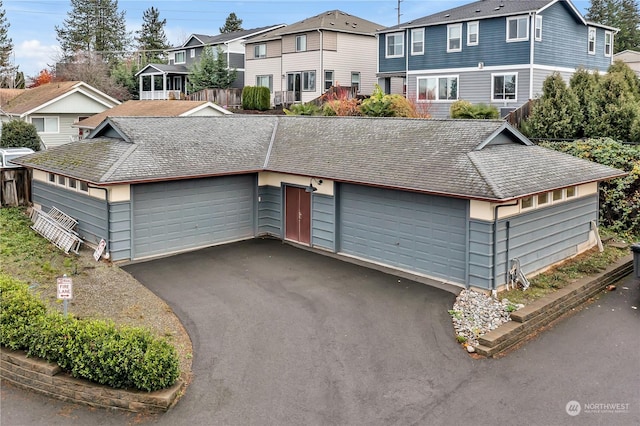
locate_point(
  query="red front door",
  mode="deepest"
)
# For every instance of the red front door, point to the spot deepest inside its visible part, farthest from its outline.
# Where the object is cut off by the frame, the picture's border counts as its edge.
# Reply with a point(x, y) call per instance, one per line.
point(297, 215)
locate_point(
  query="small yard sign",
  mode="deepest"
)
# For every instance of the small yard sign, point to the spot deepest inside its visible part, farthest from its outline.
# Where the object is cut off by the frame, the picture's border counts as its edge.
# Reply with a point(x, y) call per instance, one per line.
point(99, 249)
point(65, 288)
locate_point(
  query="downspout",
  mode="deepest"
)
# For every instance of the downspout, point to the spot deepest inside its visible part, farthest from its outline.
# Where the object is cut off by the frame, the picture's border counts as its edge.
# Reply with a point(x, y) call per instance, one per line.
point(108, 205)
point(494, 255)
point(321, 79)
point(532, 40)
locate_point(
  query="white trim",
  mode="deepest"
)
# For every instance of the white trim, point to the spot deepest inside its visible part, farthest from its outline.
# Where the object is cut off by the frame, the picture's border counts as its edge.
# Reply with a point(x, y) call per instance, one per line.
point(469, 43)
point(76, 89)
point(386, 45)
point(449, 39)
point(44, 124)
point(437, 91)
point(610, 44)
point(413, 39)
point(493, 77)
point(591, 51)
point(175, 62)
point(517, 18)
point(497, 68)
point(537, 19)
point(207, 104)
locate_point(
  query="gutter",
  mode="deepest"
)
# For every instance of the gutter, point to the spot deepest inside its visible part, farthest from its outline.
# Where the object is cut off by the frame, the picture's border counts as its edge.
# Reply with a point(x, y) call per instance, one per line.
point(494, 255)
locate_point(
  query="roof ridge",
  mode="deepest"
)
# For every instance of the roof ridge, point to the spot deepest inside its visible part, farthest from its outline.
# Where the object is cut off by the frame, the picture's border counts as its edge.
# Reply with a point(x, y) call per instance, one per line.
point(485, 175)
point(117, 164)
point(271, 142)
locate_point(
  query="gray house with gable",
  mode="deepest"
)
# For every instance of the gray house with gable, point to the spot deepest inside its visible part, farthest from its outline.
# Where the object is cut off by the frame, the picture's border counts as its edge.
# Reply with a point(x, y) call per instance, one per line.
point(454, 201)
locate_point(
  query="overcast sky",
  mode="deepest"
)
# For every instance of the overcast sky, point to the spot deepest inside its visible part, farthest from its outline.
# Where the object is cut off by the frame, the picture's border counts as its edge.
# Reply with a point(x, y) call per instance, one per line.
point(32, 22)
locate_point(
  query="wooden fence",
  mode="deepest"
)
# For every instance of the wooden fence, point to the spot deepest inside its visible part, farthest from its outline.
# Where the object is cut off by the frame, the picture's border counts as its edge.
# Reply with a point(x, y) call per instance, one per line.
point(15, 187)
point(517, 116)
point(228, 98)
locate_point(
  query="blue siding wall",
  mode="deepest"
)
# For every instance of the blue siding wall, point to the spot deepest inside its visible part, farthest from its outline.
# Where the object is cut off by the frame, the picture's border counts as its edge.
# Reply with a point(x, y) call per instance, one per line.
point(91, 213)
point(390, 64)
point(120, 224)
point(270, 211)
point(323, 223)
point(564, 42)
point(538, 238)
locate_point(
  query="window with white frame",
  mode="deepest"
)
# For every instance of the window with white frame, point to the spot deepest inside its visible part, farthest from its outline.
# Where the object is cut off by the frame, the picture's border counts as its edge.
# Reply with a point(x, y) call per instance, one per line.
point(70, 183)
point(395, 45)
point(192, 53)
point(265, 81)
point(260, 51)
point(543, 199)
point(355, 82)
point(538, 28)
point(46, 124)
point(473, 33)
point(558, 195)
point(592, 41)
point(301, 43)
point(518, 28)
point(328, 79)
point(180, 57)
point(443, 88)
point(527, 203)
point(454, 38)
point(62, 181)
point(571, 192)
point(548, 198)
point(417, 41)
point(73, 184)
point(308, 81)
point(504, 86)
point(608, 42)
point(51, 178)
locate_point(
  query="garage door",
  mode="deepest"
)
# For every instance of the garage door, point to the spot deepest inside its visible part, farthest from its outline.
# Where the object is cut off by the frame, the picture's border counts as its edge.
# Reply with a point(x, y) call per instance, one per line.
point(181, 215)
point(415, 232)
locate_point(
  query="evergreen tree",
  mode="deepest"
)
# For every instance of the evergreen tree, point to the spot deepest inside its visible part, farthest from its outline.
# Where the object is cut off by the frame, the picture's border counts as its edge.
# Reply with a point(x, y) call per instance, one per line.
point(7, 69)
point(20, 82)
point(151, 38)
point(557, 113)
point(211, 71)
point(585, 86)
point(622, 14)
point(94, 26)
point(19, 134)
point(232, 24)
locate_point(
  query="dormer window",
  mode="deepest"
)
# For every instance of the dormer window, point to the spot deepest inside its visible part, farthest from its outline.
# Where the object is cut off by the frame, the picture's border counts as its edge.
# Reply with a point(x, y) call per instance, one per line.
point(454, 38)
point(518, 28)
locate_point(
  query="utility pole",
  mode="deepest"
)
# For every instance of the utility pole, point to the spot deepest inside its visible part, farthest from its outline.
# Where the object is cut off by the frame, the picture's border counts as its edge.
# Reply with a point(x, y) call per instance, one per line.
point(398, 8)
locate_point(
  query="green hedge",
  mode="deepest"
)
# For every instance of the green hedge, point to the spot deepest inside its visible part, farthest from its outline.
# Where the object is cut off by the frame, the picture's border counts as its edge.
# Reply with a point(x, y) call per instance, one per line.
point(125, 357)
point(256, 98)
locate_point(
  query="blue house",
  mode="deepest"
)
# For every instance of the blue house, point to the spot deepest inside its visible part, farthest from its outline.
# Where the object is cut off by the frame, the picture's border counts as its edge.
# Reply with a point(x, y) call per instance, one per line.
point(390, 196)
point(496, 52)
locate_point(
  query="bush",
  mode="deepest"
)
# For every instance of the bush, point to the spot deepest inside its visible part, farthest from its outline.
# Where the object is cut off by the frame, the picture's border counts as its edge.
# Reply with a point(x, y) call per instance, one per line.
point(20, 134)
point(126, 357)
point(303, 109)
point(466, 110)
point(256, 98)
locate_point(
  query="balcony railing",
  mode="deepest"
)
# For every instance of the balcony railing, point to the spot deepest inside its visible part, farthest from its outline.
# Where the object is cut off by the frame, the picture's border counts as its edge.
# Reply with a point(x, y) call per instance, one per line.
point(160, 95)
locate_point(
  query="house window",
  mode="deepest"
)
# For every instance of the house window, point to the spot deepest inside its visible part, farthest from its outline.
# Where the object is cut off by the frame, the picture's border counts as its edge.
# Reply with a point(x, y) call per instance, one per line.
point(52, 178)
point(608, 38)
point(395, 45)
point(73, 183)
point(526, 203)
point(192, 53)
point(504, 86)
point(260, 51)
point(538, 27)
point(265, 81)
point(518, 28)
point(417, 41)
point(355, 82)
point(328, 79)
point(558, 195)
point(592, 41)
point(543, 199)
point(180, 57)
point(572, 191)
point(157, 82)
point(301, 43)
point(45, 124)
point(438, 88)
point(473, 33)
point(454, 38)
point(62, 180)
point(308, 81)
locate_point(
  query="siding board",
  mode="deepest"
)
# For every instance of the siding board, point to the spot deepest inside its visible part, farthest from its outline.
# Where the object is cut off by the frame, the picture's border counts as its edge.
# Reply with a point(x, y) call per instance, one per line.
point(270, 211)
point(323, 222)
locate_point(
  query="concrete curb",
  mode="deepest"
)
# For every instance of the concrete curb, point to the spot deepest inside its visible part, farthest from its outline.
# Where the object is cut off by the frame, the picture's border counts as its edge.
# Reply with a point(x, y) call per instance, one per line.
point(528, 320)
point(48, 379)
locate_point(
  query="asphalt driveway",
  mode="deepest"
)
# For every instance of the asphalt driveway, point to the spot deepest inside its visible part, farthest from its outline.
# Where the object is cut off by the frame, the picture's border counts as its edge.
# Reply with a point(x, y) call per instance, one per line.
point(284, 336)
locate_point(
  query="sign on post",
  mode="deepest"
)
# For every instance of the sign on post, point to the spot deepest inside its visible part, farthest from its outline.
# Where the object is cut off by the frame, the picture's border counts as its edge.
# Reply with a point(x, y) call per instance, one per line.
point(65, 288)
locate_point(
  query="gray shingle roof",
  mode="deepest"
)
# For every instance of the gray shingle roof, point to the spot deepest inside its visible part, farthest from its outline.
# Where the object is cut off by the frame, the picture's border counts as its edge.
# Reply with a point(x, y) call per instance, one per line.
point(448, 157)
point(477, 10)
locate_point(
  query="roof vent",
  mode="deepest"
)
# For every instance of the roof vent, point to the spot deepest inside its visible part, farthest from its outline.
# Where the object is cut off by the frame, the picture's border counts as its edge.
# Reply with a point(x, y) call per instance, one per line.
point(447, 15)
point(477, 10)
point(497, 8)
point(331, 23)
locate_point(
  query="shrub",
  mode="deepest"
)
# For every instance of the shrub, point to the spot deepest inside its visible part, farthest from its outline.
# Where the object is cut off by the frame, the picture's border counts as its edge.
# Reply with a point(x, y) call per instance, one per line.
point(256, 98)
point(465, 109)
point(126, 357)
point(18, 134)
point(303, 109)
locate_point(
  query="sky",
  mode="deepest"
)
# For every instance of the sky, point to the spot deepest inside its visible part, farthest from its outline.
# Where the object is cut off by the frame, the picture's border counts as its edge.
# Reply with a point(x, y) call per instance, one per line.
point(32, 22)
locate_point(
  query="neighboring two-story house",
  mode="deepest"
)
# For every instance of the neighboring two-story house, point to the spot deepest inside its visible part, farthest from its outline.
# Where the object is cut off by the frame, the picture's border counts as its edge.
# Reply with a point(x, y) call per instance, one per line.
point(496, 52)
point(303, 60)
point(169, 81)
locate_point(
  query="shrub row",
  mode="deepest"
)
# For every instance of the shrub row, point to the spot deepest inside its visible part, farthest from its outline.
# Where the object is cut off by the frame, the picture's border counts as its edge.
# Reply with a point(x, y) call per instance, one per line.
point(126, 357)
point(254, 97)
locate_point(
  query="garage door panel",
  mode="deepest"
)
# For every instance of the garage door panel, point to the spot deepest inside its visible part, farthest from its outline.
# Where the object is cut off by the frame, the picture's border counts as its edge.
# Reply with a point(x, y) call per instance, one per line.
point(411, 231)
point(174, 216)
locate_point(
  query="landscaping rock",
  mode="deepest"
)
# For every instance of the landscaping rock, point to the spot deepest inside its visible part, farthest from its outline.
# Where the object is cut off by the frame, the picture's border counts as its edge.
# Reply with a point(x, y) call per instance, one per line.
point(475, 314)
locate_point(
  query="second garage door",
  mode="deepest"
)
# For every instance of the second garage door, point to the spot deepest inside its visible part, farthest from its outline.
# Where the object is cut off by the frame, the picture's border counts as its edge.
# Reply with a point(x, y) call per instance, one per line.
point(181, 215)
point(410, 231)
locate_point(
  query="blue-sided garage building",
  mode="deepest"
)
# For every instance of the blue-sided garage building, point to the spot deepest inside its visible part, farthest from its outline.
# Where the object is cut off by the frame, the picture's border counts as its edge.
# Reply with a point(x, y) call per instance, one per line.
point(451, 200)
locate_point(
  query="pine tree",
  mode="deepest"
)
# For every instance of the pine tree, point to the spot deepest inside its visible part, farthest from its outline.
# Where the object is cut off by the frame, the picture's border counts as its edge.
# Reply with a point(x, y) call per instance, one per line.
point(95, 26)
point(232, 24)
point(7, 69)
point(211, 71)
point(557, 113)
point(622, 14)
point(151, 38)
